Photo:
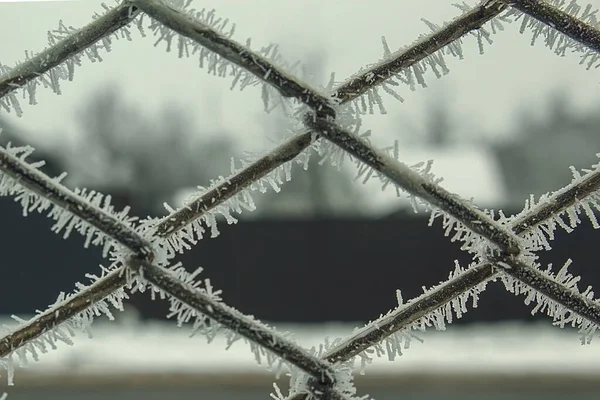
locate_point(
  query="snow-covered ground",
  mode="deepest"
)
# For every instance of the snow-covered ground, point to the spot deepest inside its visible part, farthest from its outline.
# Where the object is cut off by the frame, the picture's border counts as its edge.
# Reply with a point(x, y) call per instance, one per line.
point(129, 346)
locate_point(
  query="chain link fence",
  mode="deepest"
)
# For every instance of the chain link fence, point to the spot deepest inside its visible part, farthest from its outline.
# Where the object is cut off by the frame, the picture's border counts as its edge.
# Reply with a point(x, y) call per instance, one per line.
point(328, 125)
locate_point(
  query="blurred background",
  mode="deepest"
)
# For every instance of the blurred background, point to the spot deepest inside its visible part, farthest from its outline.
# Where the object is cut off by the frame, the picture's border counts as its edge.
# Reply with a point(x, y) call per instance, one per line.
point(147, 127)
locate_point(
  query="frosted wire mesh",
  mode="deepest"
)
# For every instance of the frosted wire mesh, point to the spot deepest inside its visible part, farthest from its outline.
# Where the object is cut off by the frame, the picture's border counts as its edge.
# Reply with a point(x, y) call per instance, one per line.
point(327, 125)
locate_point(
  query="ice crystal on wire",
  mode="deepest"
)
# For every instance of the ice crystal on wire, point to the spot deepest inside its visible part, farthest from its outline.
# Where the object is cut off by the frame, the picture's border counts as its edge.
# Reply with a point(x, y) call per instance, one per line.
point(400, 329)
point(555, 40)
point(216, 64)
point(63, 332)
point(561, 315)
point(300, 382)
point(59, 41)
point(208, 328)
point(344, 378)
point(567, 215)
point(473, 242)
point(26, 192)
point(207, 222)
point(415, 74)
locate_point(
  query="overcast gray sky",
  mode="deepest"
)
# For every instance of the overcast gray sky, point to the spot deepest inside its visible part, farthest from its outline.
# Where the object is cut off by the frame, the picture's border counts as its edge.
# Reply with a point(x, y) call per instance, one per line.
point(485, 90)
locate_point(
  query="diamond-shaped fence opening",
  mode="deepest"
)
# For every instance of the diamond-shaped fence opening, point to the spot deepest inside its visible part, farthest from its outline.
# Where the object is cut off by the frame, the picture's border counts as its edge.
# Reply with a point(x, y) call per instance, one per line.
point(327, 123)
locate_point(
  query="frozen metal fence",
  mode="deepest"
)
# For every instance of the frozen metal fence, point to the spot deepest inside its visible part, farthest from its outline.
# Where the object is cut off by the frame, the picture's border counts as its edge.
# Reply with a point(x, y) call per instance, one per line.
point(328, 125)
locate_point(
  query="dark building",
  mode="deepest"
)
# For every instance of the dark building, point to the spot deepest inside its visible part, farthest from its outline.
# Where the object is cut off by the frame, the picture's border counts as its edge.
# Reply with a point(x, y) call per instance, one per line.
point(281, 271)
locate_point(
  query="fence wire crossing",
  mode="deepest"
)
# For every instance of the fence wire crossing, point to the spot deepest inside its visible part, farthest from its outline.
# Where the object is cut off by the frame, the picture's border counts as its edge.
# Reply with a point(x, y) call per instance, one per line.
point(140, 252)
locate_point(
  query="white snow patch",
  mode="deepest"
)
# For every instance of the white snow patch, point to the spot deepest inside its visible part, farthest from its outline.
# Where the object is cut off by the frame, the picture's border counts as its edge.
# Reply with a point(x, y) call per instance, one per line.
point(161, 347)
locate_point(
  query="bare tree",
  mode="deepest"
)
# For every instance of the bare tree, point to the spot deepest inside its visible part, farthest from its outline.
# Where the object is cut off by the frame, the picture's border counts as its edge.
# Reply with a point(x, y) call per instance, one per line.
point(148, 157)
point(570, 137)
